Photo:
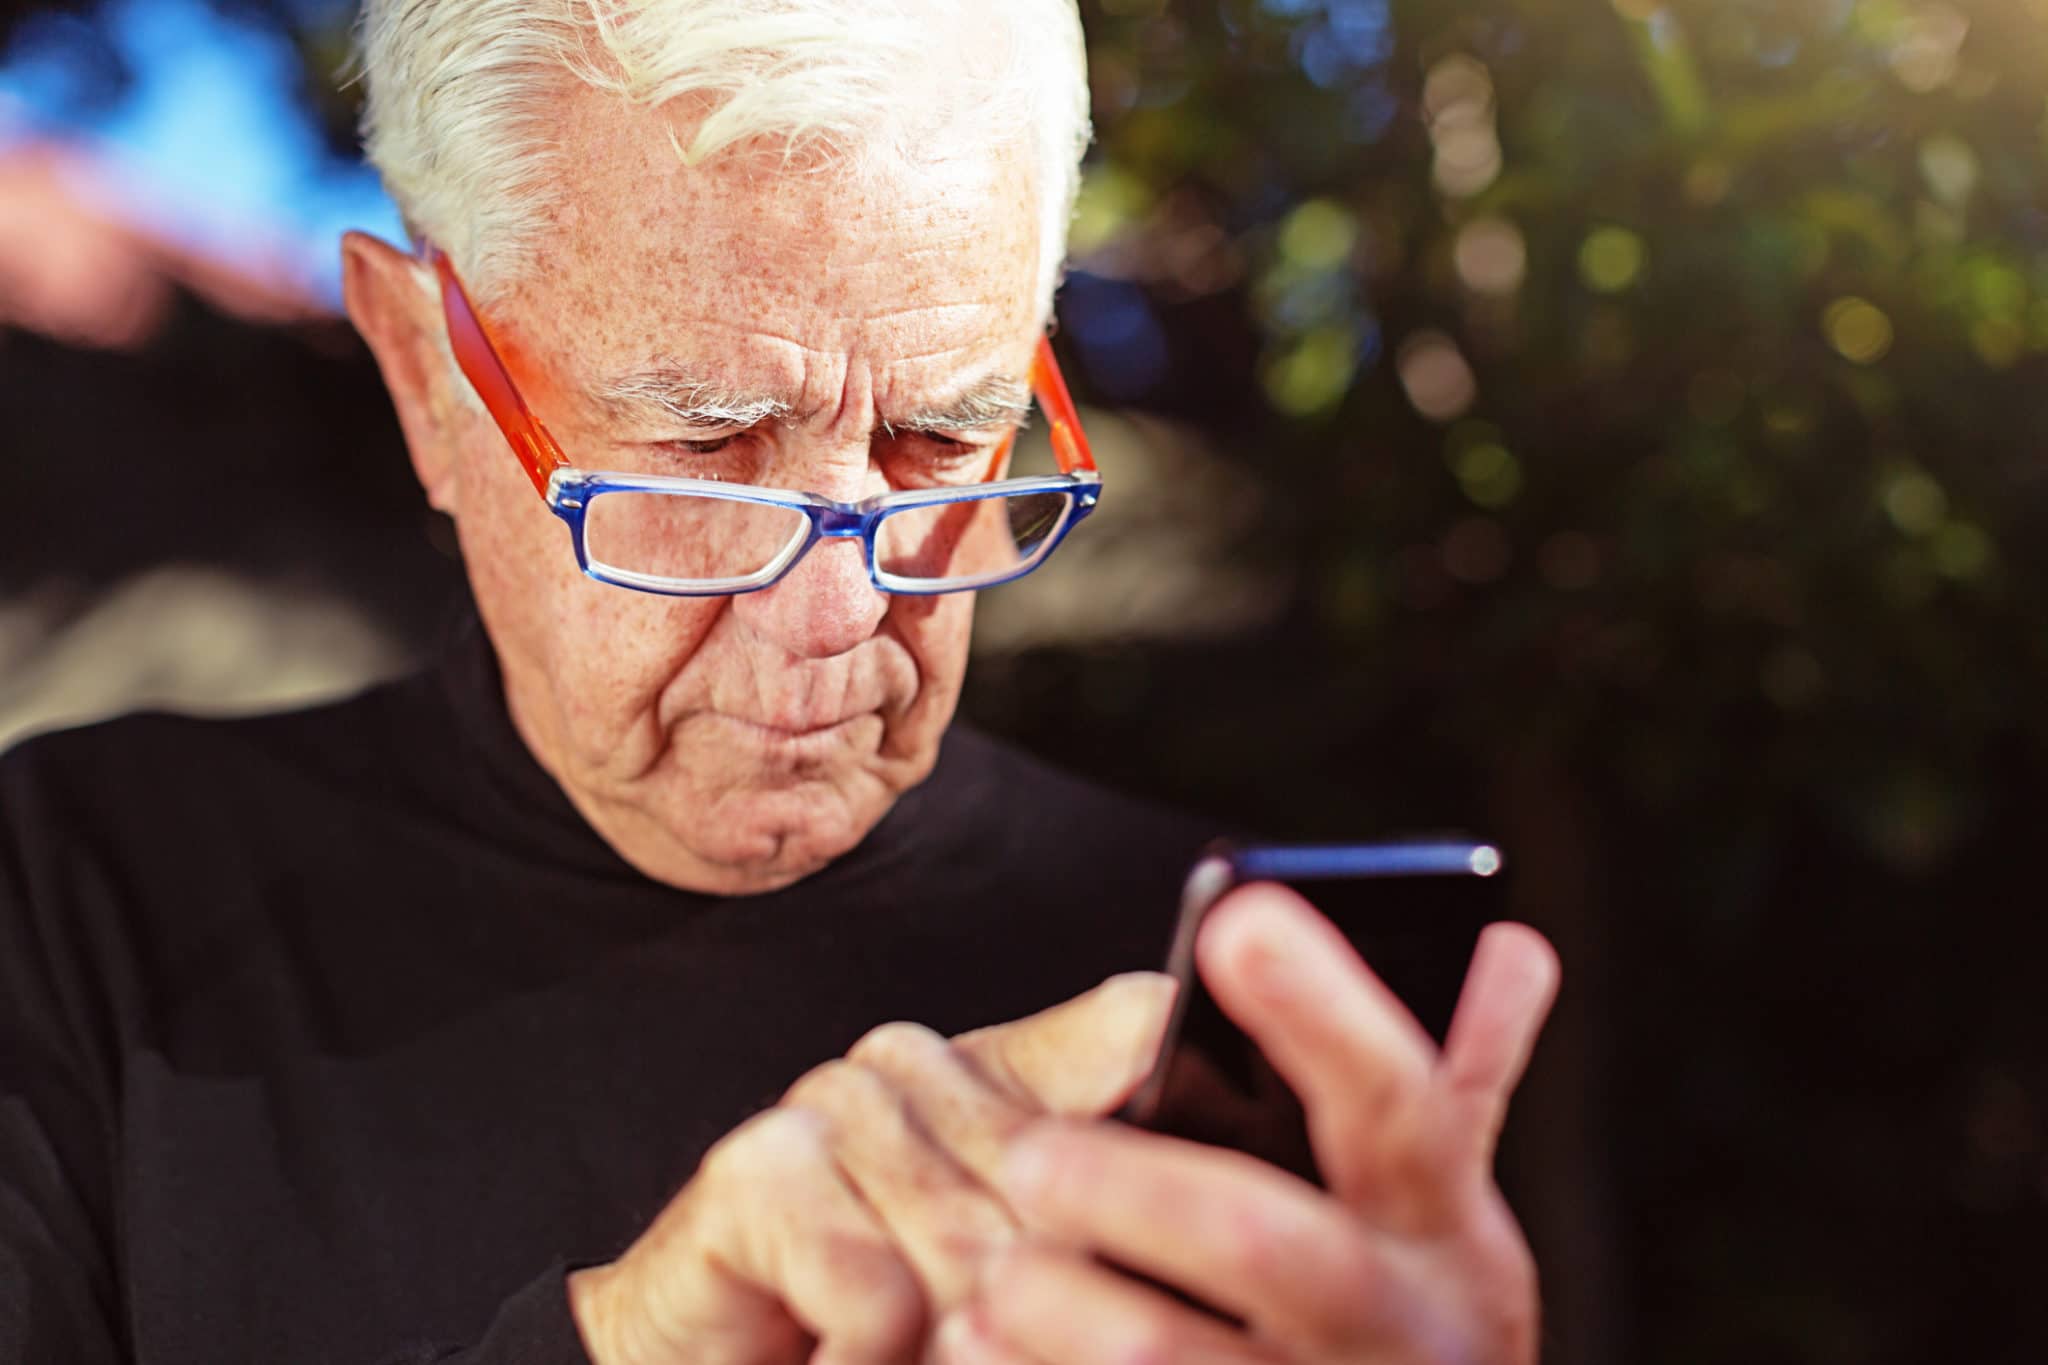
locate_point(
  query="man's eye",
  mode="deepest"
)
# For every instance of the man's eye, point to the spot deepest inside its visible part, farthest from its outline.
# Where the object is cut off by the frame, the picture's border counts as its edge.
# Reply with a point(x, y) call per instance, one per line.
point(712, 446)
point(944, 449)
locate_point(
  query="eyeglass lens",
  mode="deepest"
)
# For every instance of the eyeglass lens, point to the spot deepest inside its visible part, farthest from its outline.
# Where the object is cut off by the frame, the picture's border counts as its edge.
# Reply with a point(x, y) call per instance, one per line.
point(969, 541)
point(689, 539)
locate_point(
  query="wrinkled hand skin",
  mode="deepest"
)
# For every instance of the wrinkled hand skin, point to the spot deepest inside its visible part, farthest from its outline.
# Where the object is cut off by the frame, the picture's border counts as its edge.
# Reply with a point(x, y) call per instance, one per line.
point(1410, 1257)
point(839, 1226)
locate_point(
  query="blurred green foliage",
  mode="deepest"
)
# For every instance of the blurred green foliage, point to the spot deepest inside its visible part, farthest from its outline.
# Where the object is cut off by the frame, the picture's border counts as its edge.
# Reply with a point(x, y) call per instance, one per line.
point(1684, 363)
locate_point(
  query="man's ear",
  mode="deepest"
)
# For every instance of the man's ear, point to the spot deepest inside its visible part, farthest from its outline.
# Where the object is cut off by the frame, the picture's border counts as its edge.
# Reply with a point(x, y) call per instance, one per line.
point(400, 320)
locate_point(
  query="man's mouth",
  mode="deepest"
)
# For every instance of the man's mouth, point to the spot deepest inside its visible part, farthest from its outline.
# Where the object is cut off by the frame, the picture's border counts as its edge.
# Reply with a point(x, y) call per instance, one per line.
point(775, 731)
point(820, 737)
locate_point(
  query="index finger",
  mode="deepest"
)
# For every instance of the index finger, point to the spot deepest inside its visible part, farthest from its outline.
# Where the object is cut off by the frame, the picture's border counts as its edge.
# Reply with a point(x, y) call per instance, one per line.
point(1343, 1042)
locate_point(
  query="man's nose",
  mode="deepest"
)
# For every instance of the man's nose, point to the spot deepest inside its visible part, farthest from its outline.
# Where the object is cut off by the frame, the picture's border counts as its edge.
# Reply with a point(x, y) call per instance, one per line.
point(824, 606)
point(827, 604)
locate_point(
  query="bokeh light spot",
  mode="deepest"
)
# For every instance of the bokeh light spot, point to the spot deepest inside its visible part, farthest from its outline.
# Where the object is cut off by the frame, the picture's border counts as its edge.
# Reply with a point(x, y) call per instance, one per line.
point(1961, 551)
point(1311, 376)
point(1929, 48)
point(1111, 199)
point(1458, 92)
point(1491, 256)
point(1319, 235)
point(1950, 167)
point(1120, 339)
point(1611, 259)
point(1997, 290)
point(1489, 474)
point(1858, 329)
point(1467, 161)
point(1790, 418)
point(1916, 504)
point(1999, 341)
point(1439, 382)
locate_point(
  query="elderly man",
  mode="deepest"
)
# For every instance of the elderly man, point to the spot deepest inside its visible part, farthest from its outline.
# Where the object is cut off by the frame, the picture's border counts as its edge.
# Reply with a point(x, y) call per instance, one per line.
point(390, 1031)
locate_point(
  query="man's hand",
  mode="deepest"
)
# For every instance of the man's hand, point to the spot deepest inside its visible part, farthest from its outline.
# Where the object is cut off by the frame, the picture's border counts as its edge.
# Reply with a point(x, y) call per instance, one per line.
point(1411, 1255)
point(834, 1227)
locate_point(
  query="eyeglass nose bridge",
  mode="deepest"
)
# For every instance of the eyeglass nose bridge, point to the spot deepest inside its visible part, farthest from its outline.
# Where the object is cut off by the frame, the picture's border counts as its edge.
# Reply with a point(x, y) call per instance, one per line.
point(839, 519)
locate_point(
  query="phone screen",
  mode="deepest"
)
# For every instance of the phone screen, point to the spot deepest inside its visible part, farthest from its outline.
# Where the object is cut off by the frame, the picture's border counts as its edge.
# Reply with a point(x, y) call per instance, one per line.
point(1413, 911)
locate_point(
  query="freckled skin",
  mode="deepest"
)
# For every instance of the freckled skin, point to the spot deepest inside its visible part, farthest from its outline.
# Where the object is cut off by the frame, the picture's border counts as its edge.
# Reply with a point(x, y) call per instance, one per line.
point(862, 297)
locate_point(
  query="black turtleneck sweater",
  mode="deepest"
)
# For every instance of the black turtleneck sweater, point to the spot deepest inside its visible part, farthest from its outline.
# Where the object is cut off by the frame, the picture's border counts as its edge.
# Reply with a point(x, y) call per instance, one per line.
point(334, 1037)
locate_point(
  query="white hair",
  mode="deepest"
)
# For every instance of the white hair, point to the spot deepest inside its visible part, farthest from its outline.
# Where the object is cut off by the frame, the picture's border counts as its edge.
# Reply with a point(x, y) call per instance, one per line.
point(461, 94)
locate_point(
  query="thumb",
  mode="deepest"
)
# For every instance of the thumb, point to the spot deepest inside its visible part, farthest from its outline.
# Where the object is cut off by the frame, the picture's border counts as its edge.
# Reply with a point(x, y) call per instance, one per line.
point(1083, 1058)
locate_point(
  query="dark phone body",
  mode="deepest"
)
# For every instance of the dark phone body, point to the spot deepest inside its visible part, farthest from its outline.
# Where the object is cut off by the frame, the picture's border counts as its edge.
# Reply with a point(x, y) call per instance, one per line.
point(1211, 1083)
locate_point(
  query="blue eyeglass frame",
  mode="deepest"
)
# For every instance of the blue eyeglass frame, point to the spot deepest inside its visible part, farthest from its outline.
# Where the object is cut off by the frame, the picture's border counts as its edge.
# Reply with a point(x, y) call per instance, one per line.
point(568, 491)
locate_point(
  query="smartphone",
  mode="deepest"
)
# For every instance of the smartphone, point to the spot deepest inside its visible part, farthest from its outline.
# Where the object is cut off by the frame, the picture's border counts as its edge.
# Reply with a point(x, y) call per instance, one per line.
point(1413, 910)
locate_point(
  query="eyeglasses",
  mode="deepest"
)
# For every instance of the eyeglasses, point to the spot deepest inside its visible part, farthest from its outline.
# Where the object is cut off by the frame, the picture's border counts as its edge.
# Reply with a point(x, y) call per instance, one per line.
point(689, 537)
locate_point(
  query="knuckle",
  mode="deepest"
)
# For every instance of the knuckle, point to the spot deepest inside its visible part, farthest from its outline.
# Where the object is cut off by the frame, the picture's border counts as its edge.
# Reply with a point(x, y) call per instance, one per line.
point(953, 1269)
point(1066, 1176)
point(1360, 1300)
point(976, 1247)
point(1385, 1105)
point(936, 1188)
point(1275, 1252)
point(894, 1044)
point(833, 1090)
point(771, 1142)
point(808, 1082)
point(1261, 1248)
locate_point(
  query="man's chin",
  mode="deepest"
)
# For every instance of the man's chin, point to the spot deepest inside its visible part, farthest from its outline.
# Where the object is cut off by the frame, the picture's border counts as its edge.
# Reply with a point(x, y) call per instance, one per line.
point(732, 813)
point(780, 845)
point(760, 839)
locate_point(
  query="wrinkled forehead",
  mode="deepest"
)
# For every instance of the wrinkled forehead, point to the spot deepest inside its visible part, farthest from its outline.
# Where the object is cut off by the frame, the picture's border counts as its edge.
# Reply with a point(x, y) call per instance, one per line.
point(926, 251)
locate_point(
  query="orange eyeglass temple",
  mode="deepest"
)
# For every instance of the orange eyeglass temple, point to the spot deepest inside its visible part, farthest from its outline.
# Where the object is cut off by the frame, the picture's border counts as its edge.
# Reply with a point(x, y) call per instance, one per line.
point(538, 453)
point(1069, 442)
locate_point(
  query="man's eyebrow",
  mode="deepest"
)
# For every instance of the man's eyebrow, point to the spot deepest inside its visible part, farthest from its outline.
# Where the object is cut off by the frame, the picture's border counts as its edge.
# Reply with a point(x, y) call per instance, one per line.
point(992, 401)
point(995, 400)
point(689, 399)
